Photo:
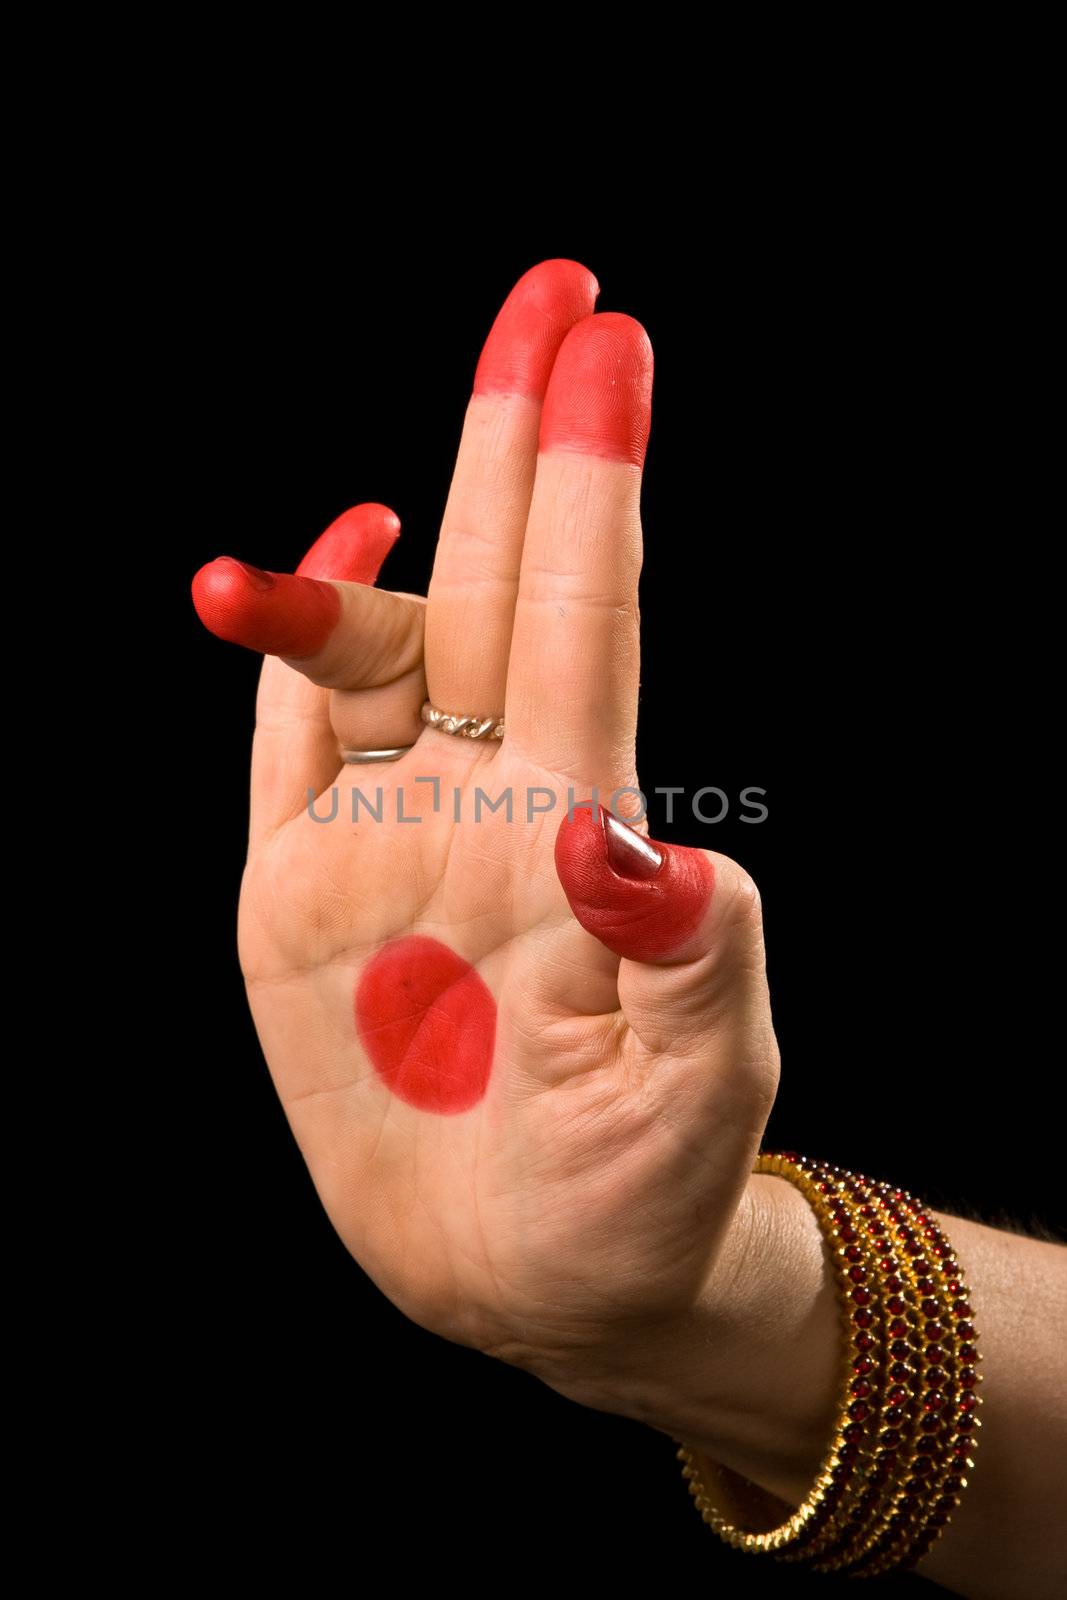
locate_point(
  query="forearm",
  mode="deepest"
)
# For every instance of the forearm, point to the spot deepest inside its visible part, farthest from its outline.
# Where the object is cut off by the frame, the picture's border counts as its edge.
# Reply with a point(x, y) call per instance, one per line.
point(751, 1376)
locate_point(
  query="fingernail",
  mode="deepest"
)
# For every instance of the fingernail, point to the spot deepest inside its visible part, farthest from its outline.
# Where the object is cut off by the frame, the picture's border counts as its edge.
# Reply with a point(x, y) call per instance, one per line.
point(256, 577)
point(629, 853)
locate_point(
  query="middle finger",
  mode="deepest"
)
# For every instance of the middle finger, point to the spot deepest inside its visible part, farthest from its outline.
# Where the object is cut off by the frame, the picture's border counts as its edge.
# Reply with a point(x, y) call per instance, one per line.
point(471, 599)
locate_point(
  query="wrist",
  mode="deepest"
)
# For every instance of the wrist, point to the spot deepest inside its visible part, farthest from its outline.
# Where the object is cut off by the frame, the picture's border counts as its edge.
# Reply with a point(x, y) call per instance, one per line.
point(750, 1373)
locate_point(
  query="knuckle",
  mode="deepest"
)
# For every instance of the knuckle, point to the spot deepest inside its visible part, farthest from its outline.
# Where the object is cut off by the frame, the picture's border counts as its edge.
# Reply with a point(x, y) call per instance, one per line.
point(744, 907)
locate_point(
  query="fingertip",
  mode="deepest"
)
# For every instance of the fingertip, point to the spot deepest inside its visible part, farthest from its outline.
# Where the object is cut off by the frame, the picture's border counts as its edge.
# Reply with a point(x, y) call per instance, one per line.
point(518, 354)
point(269, 612)
point(222, 593)
point(599, 397)
point(642, 899)
point(354, 546)
point(561, 277)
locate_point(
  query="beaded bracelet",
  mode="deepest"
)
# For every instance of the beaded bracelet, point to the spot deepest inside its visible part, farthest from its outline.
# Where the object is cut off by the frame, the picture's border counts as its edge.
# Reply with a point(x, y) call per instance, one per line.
point(907, 1421)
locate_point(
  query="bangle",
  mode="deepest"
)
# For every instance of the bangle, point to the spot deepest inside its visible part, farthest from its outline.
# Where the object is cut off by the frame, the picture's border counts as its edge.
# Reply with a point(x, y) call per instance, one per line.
point(907, 1420)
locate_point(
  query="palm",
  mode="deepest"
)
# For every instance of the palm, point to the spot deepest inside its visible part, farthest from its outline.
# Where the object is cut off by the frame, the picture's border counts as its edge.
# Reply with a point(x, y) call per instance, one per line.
point(436, 1208)
point(591, 1176)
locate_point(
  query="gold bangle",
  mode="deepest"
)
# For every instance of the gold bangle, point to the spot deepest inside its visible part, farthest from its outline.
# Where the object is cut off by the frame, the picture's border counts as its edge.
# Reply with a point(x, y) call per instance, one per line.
point(907, 1416)
point(837, 1485)
point(948, 1421)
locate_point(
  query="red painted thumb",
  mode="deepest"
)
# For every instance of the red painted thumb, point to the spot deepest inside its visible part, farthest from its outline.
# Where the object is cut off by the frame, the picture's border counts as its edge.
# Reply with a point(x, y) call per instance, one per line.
point(644, 900)
point(689, 926)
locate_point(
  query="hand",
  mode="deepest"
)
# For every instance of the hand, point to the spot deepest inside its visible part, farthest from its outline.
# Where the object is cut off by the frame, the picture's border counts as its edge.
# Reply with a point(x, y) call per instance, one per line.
point(529, 1063)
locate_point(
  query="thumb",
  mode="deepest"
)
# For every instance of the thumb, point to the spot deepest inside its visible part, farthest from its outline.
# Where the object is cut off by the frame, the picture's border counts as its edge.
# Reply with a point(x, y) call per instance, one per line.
point(688, 925)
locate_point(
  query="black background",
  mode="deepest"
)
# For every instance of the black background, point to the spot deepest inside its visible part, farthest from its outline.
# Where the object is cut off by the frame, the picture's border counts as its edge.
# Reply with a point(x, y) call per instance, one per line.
point(823, 616)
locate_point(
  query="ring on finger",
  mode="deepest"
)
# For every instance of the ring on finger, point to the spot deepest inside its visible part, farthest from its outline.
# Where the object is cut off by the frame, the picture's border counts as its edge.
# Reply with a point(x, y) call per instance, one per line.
point(365, 757)
point(465, 727)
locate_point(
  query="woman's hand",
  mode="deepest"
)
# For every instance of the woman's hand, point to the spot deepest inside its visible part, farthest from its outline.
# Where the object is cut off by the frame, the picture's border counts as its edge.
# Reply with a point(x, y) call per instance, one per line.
point(529, 1062)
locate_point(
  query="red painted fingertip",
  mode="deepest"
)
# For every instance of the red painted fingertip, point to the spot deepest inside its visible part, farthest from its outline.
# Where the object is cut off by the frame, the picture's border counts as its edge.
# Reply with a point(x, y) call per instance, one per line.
point(599, 397)
point(354, 546)
point(642, 900)
point(272, 612)
point(530, 327)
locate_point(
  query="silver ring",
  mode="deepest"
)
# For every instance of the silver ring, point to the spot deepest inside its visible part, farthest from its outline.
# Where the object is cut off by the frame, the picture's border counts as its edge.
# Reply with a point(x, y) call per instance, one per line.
point(465, 727)
point(358, 758)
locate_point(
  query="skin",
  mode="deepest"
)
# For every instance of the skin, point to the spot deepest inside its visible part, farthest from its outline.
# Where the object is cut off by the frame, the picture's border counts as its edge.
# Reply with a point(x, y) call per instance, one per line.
point(576, 1196)
point(596, 1067)
point(428, 1024)
point(751, 1373)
